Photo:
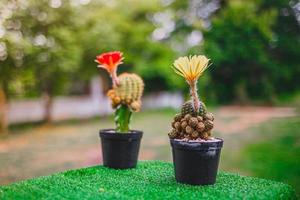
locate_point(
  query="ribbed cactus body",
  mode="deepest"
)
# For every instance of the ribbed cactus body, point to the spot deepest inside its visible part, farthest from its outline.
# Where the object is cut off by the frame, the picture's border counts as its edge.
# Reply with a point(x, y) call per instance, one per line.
point(130, 87)
point(188, 108)
point(191, 124)
point(128, 92)
point(202, 109)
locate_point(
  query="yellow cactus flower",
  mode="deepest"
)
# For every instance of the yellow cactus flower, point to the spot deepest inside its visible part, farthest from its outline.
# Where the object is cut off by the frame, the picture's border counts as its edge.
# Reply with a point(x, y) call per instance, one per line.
point(191, 68)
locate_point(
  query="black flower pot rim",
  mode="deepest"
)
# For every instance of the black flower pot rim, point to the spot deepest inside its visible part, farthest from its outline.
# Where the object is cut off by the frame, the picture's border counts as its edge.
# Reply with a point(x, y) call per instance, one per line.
point(115, 135)
point(196, 145)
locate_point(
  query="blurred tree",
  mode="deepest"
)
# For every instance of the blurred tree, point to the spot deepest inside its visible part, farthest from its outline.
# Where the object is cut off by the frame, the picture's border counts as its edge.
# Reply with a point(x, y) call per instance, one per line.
point(285, 46)
point(179, 27)
point(127, 26)
point(148, 57)
point(12, 51)
point(97, 34)
point(254, 46)
point(50, 27)
point(3, 120)
point(47, 45)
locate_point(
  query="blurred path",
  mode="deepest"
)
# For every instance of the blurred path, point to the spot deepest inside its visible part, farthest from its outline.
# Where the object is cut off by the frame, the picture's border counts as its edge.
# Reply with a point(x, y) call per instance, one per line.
point(47, 149)
point(235, 119)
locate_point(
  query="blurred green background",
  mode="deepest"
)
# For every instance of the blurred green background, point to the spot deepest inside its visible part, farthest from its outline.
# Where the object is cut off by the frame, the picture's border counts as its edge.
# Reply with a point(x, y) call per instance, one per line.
point(47, 49)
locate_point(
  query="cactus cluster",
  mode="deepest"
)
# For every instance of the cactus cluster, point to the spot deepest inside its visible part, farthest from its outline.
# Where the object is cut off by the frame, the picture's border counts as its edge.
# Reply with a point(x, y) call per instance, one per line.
point(192, 125)
point(194, 122)
point(128, 92)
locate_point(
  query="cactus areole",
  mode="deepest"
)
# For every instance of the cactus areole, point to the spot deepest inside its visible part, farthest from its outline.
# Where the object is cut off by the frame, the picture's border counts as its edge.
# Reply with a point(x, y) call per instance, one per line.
point(195, 152)
point(126, 91)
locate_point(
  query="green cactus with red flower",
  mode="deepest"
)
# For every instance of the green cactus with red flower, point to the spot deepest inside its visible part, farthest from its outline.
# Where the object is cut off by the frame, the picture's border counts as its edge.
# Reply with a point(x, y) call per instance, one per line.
point(126, 91)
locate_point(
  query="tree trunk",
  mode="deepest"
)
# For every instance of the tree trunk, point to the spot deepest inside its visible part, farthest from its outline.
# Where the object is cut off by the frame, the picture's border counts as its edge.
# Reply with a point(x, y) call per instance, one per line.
point(48, 102)
point(3, 111)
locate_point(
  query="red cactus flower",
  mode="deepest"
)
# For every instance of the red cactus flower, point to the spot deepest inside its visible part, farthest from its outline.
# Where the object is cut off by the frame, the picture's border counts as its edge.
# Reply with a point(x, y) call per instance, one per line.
point(110, 61)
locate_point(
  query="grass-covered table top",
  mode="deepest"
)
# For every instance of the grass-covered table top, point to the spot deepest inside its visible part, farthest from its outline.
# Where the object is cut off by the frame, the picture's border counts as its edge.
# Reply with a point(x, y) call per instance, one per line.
point(150, 180)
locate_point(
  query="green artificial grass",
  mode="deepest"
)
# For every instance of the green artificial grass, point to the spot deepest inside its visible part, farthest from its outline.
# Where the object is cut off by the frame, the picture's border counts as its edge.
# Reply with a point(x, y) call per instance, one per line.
point(150, 180)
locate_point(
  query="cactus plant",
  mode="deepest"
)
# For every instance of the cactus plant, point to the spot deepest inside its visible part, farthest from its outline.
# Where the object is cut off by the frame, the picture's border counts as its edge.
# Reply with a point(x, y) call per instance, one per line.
point(195, 121)
point(195, 152)
point(126, 91)
point(129, 91)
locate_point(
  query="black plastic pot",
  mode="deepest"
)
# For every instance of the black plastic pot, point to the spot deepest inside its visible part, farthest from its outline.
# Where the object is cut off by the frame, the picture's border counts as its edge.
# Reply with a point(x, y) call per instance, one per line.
point(196, 163)
point(120, 150)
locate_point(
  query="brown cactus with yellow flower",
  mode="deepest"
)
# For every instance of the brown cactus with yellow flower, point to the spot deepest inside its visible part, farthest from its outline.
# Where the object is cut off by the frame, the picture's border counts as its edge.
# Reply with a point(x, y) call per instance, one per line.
point(126, 92)
point(194, 121)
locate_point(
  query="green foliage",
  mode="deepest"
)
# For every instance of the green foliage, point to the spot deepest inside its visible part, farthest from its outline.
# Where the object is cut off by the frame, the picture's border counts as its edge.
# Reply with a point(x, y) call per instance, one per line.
point(253, 45)
point(126, 27)
point(150, 180)
point(12, 48)
point(278, 151)
point(46, 51)
point(56, 60)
